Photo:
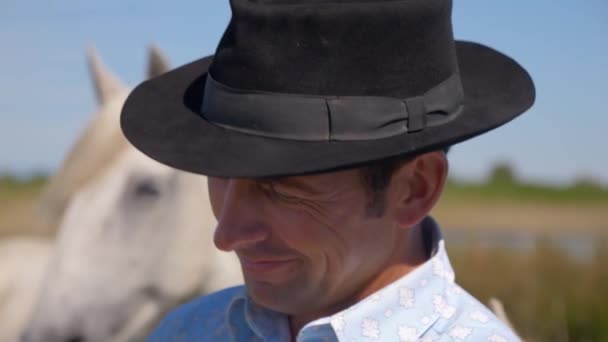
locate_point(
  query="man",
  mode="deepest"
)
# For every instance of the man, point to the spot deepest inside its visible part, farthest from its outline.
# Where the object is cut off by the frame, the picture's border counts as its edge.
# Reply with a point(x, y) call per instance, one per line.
point(322, 127)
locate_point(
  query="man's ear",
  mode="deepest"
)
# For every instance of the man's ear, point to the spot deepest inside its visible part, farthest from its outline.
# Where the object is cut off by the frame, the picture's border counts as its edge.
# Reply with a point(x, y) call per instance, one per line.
point(416, 187)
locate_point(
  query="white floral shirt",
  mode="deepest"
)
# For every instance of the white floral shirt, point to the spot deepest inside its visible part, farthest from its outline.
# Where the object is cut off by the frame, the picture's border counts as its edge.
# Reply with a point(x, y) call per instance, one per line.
point(424, 305)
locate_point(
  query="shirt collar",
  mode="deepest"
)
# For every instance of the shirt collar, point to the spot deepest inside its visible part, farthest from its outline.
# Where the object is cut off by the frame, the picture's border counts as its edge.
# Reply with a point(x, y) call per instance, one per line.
point(396, 302)
point(263, 322)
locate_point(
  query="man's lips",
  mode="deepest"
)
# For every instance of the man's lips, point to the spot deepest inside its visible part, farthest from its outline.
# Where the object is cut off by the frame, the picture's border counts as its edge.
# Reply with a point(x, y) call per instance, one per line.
point(264, 264)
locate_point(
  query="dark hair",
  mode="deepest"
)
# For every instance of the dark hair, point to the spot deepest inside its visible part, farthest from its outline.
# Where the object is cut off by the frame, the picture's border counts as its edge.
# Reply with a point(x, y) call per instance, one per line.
point(377, 175)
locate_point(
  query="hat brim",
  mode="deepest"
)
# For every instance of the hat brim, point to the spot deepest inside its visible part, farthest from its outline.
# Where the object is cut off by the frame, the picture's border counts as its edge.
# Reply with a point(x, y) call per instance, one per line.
point(161, 119)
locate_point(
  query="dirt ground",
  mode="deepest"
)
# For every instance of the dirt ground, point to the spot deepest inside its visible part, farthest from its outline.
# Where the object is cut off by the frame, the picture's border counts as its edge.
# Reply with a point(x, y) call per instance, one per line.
point(513, 216)
point(17, 216)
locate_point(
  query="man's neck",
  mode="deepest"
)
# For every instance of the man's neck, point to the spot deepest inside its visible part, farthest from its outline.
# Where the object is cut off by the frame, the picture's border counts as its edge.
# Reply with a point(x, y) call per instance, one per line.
point(405, 258)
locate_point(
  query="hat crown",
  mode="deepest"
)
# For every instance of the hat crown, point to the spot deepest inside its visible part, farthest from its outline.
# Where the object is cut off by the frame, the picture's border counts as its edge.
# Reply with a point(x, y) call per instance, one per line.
point(298, 87)
point(348, 48)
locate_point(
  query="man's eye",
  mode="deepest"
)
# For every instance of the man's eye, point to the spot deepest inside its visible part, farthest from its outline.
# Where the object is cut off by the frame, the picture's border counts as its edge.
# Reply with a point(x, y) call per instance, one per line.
point(285, 198)
point(281, 196)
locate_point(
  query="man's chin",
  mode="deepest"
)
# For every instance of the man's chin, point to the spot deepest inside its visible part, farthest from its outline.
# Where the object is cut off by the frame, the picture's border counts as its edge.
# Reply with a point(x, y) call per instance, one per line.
point(280, 298)
point(260, 290)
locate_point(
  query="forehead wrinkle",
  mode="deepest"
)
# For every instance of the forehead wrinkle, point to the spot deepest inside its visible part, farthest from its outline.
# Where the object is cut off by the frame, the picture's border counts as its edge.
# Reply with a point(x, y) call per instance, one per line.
point(295, 183)
point(329, 185)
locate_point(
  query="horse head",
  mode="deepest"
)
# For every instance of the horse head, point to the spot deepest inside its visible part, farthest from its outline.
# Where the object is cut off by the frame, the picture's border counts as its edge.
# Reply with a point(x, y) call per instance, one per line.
point(134, 239)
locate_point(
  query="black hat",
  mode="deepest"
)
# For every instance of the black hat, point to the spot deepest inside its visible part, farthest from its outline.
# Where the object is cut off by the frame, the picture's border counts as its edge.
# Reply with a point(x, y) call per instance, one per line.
point(299, 87)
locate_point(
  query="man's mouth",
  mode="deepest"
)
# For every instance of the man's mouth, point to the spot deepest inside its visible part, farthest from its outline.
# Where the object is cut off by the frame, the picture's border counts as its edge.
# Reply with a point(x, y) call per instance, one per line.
point(264, 265)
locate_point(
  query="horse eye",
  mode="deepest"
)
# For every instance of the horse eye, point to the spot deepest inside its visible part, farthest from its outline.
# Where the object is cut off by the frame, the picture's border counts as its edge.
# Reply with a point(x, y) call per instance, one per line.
point(146, 188)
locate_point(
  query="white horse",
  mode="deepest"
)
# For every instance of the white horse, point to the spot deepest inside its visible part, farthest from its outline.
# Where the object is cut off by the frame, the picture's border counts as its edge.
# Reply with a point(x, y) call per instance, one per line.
point(134, 240)
point(23, 261)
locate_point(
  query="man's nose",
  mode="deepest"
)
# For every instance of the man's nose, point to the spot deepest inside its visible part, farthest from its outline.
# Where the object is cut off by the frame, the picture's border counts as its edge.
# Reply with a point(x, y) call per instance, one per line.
point(241, 221)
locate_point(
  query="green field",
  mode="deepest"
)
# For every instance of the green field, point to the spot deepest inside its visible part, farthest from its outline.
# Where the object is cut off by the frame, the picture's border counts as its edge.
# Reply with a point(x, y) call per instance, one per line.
point(580, 194)
point(498, 188)
point(13, 186)
point(503, 185)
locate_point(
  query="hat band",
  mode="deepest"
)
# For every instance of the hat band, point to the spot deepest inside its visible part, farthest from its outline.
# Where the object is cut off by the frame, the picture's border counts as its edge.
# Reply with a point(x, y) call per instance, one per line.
point(329, 118)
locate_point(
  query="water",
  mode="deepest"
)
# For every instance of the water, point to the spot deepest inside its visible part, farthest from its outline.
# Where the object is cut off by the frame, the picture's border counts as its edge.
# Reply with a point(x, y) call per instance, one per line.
point(580, 246)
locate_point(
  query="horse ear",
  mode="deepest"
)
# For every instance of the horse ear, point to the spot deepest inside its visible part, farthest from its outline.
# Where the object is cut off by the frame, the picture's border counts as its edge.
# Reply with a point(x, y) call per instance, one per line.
point(106, 84)
point(157, 62)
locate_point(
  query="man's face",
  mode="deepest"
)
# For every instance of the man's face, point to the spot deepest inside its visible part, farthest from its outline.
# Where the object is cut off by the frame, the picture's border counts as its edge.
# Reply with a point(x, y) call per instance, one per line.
point(305, 243)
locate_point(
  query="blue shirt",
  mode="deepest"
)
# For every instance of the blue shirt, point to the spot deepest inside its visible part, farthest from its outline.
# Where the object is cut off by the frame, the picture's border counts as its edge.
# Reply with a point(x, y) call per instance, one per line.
point(424, 305)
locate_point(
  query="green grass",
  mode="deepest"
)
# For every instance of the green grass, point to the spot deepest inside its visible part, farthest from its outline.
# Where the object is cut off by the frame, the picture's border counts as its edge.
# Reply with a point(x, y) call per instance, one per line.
point(507, 190)
point(503, 184)
point(499, 188)
point(11, 186)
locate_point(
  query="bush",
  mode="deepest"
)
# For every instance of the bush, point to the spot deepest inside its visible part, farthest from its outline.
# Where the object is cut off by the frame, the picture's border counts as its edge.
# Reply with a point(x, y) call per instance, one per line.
point(502, 173)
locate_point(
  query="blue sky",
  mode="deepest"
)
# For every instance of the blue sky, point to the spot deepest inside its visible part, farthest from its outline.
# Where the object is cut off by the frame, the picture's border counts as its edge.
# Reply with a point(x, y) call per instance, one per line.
point(46, 97)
